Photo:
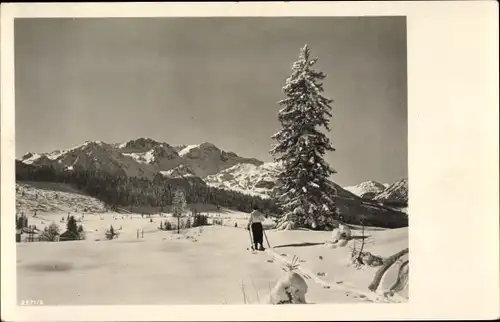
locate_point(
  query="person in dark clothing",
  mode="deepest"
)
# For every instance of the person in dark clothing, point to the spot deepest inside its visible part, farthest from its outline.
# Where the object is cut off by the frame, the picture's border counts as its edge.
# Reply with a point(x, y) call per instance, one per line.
point(255, 223)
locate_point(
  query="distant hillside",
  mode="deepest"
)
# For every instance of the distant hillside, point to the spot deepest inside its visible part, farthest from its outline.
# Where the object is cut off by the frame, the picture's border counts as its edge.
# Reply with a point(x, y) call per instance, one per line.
point(131, 192)
point(54, 197)
point(367, 189)
point(261, 180)
point(395, 194)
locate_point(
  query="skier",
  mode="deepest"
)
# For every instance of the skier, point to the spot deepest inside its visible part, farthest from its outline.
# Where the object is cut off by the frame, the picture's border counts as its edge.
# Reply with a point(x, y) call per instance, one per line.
point(255, 223)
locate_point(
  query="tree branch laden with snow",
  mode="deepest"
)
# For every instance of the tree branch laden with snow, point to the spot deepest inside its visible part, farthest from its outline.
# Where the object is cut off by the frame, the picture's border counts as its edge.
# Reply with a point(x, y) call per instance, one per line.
point(303, 190)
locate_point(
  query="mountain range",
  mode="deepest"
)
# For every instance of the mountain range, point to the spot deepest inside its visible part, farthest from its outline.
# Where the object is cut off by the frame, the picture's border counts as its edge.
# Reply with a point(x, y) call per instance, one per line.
point(368, 189)
point(142, 157)
point(147, 158)
point(396, 193)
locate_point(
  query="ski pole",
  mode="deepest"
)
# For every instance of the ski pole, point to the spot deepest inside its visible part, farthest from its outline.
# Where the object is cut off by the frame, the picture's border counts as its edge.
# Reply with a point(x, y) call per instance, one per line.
point(251, 241)
point(266, 238)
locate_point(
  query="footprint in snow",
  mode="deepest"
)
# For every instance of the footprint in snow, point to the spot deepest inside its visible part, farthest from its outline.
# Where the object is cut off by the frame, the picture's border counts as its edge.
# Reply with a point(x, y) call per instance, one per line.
point(321, 273)
point(339, 282)
point(270, 261)
point(284, 255)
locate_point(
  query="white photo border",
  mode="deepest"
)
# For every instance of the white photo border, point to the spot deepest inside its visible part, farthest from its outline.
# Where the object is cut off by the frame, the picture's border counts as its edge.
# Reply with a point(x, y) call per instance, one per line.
point(453, 161)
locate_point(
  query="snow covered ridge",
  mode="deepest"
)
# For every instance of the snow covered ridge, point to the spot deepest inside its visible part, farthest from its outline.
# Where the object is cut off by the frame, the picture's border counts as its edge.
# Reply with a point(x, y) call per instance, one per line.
point(142, 157)
point(246, 178)
point(260, 181)
point(397, 192)
point(368, 189)
point(256, 180)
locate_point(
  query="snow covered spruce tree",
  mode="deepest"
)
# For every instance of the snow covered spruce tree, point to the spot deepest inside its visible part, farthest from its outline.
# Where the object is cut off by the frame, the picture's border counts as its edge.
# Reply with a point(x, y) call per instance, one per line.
point(178, 206)
point(304, 192)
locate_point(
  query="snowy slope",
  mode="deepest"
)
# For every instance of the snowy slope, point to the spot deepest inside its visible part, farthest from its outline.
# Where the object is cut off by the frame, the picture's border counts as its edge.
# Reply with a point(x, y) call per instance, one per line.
point(92, 155)
point(246, 178)
point(367, 189)
point(206, 159)
point(179, 172)
point(211, 266)
point(397, 192)
point(260, 181)
point(142, 157)
point(256, 180)
point(53, 197)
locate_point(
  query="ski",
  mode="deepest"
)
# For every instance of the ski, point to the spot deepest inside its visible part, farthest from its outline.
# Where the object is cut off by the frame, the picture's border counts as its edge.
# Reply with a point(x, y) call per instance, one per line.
point(255, 251)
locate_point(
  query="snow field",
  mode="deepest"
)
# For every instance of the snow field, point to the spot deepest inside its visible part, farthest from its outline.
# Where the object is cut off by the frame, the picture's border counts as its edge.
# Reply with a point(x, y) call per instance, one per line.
point(200, 266)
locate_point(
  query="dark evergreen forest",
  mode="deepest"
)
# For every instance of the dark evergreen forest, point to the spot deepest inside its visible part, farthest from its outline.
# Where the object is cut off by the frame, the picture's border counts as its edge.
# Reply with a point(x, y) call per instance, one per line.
point(126, 192)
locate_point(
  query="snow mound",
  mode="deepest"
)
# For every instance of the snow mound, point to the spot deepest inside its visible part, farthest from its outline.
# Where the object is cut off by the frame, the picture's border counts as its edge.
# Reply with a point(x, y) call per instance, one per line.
point(340, 233)
point(290, 289)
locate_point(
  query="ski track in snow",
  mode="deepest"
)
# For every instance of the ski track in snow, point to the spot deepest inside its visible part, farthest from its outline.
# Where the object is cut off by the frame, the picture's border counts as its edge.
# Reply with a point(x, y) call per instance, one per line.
point(347, 287)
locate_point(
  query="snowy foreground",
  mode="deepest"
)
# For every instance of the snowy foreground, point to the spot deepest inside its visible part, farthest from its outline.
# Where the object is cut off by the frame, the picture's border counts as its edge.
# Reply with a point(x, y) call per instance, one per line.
point(209, 265)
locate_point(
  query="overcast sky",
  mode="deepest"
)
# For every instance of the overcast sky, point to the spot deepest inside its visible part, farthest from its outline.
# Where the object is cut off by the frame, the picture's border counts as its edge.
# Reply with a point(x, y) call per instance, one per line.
point(192, 80)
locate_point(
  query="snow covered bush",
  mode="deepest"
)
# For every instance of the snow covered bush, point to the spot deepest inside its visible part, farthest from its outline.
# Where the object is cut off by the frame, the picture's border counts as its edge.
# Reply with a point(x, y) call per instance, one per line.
point(304, 191)
point(50, 233)
point(291, 288)
point(343, 232)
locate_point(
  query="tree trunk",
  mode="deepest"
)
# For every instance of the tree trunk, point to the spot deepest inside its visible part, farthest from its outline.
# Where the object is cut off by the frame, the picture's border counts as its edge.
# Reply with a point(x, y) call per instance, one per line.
point(362, 245)
point(402, 279)
point(387, 263)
